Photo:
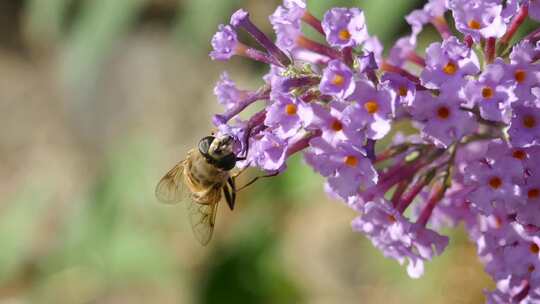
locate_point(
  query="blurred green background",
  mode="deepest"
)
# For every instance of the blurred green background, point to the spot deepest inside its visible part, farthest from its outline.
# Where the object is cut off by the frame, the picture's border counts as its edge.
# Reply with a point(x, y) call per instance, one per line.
point(98, 99)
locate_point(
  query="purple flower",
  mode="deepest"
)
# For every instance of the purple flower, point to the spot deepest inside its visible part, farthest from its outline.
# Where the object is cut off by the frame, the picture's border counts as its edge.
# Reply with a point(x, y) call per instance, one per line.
point(522, 259)
point(531, 159)
point(240, 19)
point(397, 238)
point(432, 11)
point(224, 43)
point(496, 183)
point(373, 45)
point(345, 27)
point(405, 91)
point(448, 62)
point(534, 10)
point(479, 19)
point(337, 80)
point(528, 213)
point(444, 121)
point(489, 94)
point(525, 126)
point(373, 106)
point(267, 151)
point(284, 116)
point(227, 93)
point(287, 22)
point(274, 78)
point(346, 167)
point(475, 158)
point(523, 52)
point(497, 297)
point(399, 53)
point(523, 75)
point(337, 127)
point(454, 209)
point(498, 148)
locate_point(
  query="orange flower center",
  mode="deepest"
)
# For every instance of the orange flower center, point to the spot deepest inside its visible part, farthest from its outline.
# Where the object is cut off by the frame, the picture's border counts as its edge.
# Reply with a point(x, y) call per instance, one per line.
point(336, 125)
point(529, 121)
point(520, 75)
point(392, 218)
point(534, 248)
point(338, 80)
point(443, 112)
point(474, 25)
point(450, 68)
point(495, 182)
point(498, 222)
point(351, 161)
point(519, 154)
point(403, 91)
point(371, 106)
point(344, 34)
point(533, 193)
point(290, 109)
point(487, 92)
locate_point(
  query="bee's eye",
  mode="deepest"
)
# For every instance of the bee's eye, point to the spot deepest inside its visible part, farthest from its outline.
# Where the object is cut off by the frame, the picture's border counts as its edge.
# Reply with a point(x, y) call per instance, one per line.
point(205, 143)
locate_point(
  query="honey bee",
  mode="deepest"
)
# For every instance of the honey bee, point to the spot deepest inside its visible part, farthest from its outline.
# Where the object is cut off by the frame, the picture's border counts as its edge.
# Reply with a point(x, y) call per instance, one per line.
point(200, 179)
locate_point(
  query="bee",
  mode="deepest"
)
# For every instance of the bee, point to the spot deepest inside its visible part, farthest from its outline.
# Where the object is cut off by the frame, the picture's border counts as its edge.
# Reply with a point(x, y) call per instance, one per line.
point(200, 179)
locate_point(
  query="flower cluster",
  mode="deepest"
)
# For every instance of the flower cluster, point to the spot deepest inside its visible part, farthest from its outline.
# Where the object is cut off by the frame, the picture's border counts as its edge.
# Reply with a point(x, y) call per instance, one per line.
point(473, 97)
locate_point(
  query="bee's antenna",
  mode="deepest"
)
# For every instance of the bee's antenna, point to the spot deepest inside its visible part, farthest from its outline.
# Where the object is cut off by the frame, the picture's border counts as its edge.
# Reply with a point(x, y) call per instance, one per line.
point(253, 180)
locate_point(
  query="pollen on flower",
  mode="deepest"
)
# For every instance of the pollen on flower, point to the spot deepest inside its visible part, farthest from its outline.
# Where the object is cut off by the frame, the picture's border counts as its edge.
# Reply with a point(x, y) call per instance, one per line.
point(487, 92)
point(498, 222)
point(336, 125)
point(402, 91)
point(519, 154)
point(450, 68)
point(371, 106)
point(533, 193)
point(531, 268)
point(344, 34)
point(495, 182)
point(534, 248)
point(474, 25)
point(392, 218)
point(520, 75)
point(443, 112)
point(290, 109)
point(351, 161)
point(338, 79)
point(529, 121)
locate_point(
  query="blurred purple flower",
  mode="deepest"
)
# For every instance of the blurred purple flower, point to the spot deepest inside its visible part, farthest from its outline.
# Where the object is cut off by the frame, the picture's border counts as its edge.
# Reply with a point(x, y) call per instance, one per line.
point(444, 121)
point(525, 126)
point(224, 43)
point(479, 19)
point(449, 61)
point(345, 27)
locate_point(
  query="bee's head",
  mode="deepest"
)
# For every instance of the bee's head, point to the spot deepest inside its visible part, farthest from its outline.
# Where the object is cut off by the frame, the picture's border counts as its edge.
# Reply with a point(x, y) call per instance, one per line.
point(218, 151)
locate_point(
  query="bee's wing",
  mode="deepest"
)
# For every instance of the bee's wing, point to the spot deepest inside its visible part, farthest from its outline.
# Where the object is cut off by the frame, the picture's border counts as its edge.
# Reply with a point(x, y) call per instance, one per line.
point(203, 219)
point(171, 187)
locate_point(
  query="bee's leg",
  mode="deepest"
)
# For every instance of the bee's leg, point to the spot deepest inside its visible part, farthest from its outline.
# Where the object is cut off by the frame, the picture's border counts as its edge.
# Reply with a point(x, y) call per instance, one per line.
point(235, 175)
point(232, 184)
point(255, 179)
point(228, 197)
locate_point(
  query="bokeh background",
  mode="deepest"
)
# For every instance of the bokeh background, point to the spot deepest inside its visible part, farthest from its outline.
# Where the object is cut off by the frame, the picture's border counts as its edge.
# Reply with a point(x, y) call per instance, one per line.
point(98, 99)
